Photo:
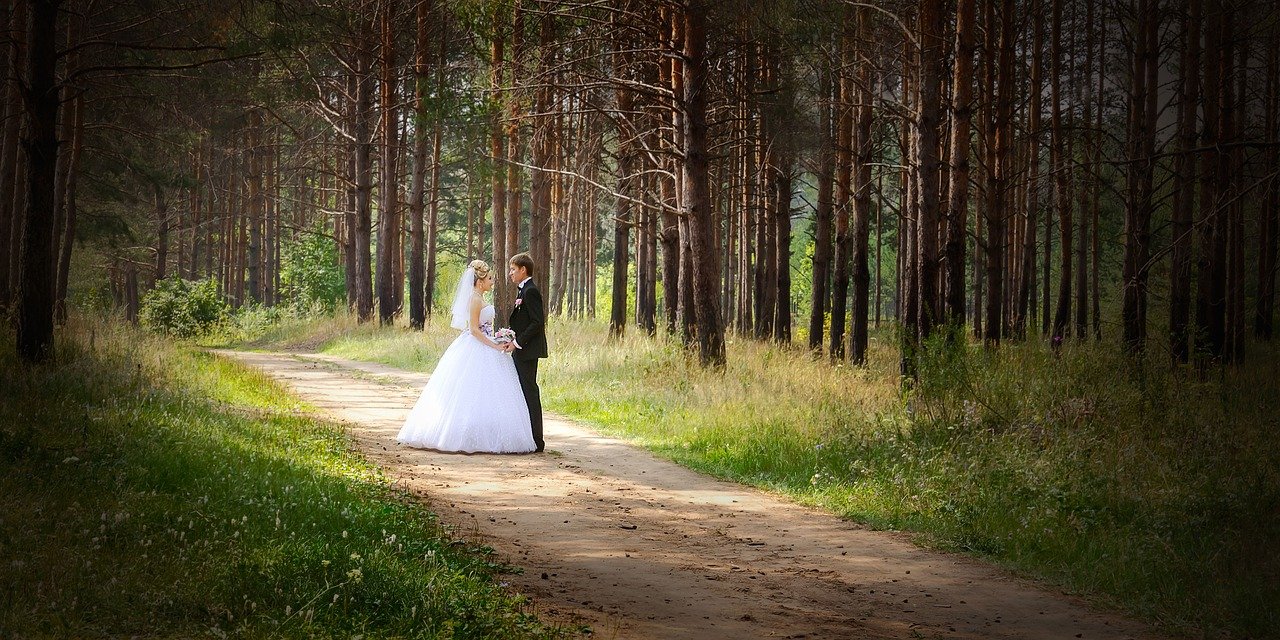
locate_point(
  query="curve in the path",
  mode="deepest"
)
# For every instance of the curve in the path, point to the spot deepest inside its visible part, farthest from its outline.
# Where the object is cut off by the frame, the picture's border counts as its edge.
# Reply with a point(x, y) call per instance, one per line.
point(638, 547)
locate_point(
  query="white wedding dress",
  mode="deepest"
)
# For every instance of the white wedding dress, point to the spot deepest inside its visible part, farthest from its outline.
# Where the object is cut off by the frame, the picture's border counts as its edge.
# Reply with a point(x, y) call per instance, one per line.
point(472, 402)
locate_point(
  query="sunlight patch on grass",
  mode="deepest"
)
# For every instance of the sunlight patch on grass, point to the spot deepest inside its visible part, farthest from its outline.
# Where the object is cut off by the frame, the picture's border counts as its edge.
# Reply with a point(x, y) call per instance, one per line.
point(161, 491)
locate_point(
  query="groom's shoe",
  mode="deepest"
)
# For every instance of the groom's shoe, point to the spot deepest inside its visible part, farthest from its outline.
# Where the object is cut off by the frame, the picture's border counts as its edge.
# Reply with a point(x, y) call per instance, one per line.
point(540, 448)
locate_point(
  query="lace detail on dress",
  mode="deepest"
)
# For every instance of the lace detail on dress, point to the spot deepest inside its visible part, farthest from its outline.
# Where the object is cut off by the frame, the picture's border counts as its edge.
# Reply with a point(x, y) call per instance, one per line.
point(487, 328)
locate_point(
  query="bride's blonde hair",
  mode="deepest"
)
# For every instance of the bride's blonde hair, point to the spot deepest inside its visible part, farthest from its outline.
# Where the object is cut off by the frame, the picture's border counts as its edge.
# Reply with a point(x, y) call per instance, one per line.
point(481, 268)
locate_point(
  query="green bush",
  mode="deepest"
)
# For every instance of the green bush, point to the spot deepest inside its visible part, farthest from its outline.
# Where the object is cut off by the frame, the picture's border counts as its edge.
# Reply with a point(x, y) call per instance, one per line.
point(311, 277)
point(183, 308)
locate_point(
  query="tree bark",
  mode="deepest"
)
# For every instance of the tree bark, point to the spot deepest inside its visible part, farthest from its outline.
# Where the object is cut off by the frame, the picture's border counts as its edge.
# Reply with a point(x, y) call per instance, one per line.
point(160, 271)
point(697, 188)
point(1141, 167)
point(388, 209)
point(932, 46)
point(417, 192)
point(1062, 182)
point(861, 194)
point(822, 222)
point(362, 229)
point(433, 210)
point(11, 215)
point(543, 148)
point(958, 198)
point(70, 213)
point(782, 251)
point(36, 276)
point(843, 185)
point(1027, 293)
point(1269, 217)
point(1002, 174)
point(1210, 335)
point(623, 184)
point(498, 179)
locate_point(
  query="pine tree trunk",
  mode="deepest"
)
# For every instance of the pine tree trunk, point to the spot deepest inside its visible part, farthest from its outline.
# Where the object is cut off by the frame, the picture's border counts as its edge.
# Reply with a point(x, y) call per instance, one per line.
point(1062, 181)
point(1002, 176)
point(417, 192)
point(388, 211)
point(1027, 294)
point(1141, 167)
point(256, 206)
point(433, 209)
point(822, 223)
point(843, 185)
point(697, 188)
point(1269, 217)
point(498, 179)
point(1237, 110)
point(36, 293)
point(76, 143)
point(362, 229)
point(624, 181)
point(11, 181)
point(958, 198)
point(271, 219)
point(543, 149)
point(782, 251)
point(928, 124)
point(1215, 166)
point(861, 195)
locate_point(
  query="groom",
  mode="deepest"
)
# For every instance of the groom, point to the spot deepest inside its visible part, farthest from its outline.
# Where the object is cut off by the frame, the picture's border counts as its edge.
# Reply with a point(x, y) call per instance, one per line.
point(528, 320)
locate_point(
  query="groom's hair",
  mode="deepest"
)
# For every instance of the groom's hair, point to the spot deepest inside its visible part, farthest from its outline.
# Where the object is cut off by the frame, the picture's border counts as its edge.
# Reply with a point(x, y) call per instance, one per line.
point(523, 260)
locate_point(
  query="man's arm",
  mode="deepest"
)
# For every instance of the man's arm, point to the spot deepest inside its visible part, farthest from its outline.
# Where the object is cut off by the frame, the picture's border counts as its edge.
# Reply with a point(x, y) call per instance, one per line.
point(532, 304)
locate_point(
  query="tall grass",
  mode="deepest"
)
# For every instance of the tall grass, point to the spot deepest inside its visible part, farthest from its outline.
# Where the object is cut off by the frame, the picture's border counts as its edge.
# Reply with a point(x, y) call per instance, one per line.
point(1130, 483)
point(153, 490)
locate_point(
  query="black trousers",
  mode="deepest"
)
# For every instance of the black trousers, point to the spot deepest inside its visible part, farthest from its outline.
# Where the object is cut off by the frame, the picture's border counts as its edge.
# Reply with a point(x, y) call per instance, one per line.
point(527, 371)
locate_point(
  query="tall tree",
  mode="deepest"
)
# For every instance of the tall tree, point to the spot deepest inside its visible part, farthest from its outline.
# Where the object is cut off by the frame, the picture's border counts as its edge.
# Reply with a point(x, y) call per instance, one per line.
point(863, 156)
point(958, 198)
point(388, 205)
point(1027, 279)
point(417, 192)
point(497, 154)
point(1062, 178)
point(928, 125)
point(822, 224)
point(11, 215)
point(36, 276)
point(1269, 217)
point(847, 96)
point(1141, 168)
point(1211, 271)
point(363, 172)
point(1001, 176)
point(697, 187)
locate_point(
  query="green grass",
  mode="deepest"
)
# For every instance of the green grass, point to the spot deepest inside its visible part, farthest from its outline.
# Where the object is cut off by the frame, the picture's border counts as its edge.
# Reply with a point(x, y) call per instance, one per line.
point(148, 490)
point(1138, 487)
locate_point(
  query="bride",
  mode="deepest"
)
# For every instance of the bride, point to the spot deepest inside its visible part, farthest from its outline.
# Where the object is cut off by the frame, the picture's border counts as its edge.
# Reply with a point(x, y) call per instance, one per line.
point(472, 402)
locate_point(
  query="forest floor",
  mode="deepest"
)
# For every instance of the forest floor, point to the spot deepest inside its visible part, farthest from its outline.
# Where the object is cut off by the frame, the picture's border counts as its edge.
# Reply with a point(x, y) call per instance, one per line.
point(613, 537)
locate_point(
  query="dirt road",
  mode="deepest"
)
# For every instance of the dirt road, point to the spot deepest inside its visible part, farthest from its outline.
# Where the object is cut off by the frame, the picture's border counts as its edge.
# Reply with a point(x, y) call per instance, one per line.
point(638, 547)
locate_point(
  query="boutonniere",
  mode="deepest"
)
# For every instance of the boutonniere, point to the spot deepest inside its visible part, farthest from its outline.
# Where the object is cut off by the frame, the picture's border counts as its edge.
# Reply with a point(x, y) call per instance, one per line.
point(518, 301)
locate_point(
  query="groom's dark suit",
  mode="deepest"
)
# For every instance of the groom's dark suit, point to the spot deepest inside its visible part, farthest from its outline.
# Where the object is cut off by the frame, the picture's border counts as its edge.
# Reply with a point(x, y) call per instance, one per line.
point(529, 321)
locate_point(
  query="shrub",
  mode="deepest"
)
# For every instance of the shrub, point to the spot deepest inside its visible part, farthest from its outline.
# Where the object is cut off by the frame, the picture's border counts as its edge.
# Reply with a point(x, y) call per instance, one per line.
point(311, 277)
point(182, 308)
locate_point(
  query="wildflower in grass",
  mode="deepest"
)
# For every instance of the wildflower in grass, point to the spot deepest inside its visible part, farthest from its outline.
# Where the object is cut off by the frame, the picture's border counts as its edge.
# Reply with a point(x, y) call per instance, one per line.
point(355, 575)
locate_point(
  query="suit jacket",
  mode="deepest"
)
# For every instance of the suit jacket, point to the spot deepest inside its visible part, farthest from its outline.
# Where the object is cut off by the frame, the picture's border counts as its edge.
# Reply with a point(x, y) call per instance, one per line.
point(529, 321)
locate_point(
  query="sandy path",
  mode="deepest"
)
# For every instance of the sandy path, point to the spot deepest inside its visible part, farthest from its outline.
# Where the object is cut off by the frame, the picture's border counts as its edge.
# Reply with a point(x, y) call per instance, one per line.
point(638, 547)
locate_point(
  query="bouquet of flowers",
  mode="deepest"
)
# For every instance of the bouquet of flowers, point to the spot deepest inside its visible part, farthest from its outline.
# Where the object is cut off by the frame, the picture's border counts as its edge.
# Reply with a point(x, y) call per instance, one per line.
point(504, 335)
